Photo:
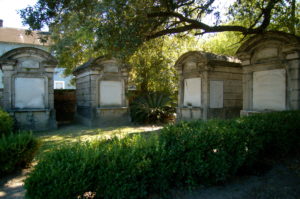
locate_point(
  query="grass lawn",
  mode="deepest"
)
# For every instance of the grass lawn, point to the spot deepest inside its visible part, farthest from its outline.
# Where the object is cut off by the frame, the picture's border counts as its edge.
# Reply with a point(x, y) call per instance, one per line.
point(78, 133)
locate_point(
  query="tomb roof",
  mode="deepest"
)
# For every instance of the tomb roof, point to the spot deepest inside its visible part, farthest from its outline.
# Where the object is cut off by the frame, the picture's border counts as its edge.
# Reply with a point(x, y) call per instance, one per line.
point(12, 54)
point(200, 56)
point(285, 39)
point(95, 63)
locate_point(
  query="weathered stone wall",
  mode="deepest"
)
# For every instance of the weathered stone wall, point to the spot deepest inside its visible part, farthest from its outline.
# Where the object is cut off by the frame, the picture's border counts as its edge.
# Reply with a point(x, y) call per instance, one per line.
point(108, 116)
point(232, 92)
point(83, 98)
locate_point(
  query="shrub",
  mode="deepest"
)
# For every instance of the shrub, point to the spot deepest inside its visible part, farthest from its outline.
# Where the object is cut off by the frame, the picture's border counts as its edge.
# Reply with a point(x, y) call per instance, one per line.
point(152, 108)
point(6, 122)
point(271, 135)
point(16, 151)
point(112, 169)
point(202, 152)
point(185, 154)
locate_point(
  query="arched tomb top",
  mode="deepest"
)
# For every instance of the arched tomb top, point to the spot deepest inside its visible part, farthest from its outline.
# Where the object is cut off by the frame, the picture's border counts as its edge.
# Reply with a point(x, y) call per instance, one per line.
point(107, 65)
point(28, 56)
point(268, 46)
point(197, 59)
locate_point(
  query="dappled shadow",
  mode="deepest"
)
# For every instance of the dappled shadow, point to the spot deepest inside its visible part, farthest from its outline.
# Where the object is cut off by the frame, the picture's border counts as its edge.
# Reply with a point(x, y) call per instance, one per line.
point(11, 186)
point(16, 192)
point(78, 133)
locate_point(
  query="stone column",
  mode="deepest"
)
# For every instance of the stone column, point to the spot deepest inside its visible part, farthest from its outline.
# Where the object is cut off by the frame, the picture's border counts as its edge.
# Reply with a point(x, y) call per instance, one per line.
point(248, 91)
point(293, 81)
point(180, 93)
point(205, 94)
point(8, 71)
point(247, 84)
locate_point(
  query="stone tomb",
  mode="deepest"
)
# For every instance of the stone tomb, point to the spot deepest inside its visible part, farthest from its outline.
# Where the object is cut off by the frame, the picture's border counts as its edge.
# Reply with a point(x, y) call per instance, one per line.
point(210, 86)
point(100, 93)
point(271, 75)
point(28, 87)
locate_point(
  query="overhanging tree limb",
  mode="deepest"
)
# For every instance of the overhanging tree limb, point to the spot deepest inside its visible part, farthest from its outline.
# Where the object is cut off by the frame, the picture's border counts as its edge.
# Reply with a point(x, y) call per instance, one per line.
point(195, 24)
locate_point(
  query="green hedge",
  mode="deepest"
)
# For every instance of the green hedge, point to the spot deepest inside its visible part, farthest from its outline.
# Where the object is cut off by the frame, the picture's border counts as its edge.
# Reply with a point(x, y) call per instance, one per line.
point(186, 154)
point(16, 151)
point(6, 123)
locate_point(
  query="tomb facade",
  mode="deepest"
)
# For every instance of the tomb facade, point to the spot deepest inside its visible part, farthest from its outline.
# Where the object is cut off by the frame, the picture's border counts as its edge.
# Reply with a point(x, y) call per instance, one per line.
point(210, 86)
point(28, 87)
point(100, 91)
point(271, 75)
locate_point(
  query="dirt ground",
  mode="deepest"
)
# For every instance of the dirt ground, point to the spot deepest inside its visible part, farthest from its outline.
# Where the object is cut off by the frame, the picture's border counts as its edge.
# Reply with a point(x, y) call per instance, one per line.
point(280, 182)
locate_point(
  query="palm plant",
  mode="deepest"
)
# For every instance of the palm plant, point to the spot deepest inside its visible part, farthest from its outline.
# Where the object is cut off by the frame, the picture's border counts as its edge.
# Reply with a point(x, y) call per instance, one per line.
point(152, 108)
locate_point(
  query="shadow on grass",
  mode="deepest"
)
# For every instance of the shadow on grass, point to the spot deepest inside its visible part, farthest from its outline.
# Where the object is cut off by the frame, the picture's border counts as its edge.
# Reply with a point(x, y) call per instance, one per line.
point(78, 133)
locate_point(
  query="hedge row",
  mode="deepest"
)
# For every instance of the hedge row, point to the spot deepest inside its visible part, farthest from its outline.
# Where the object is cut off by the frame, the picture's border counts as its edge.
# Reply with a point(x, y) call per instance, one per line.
point(186, 154)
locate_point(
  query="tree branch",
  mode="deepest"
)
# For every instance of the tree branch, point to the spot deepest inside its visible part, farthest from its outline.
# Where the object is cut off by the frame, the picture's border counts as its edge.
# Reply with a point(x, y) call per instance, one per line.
point(171, 31)
point(194, 24)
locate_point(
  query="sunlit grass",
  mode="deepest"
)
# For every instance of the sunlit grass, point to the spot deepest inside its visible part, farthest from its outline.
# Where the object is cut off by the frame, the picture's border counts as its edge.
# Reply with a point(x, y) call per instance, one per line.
point(78, 133)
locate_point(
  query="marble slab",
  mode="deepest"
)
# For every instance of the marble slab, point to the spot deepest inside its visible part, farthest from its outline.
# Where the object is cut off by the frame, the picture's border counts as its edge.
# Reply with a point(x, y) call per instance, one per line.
point(216, 94)
point(192, 92)
point(269, 90)
point(111, 93)
point(29, 92)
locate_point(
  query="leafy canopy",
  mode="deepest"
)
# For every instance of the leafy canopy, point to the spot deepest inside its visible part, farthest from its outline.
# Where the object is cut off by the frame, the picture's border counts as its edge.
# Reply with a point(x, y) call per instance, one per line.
point(86, 28)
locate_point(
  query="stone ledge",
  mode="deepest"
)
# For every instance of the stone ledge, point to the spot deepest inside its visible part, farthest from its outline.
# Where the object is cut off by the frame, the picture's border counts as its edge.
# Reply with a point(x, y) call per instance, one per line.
point(30, 110)
point(109, 108)
point(193, 107)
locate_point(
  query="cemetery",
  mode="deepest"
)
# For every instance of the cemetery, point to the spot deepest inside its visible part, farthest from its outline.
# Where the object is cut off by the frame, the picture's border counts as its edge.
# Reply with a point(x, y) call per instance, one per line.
point(263, 77)
point(153, 99)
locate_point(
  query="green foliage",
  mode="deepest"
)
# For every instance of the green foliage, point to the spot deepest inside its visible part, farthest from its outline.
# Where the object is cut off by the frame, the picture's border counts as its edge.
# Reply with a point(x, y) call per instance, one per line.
point(225, 43)
point(202, 153)
point(113, 169)
point(16, 151)
point(153, 64)
point(152, 108)
point(151, 69)
point(186, 154)
point(285, 15)
point(278, 133)
point(82, 29)
point(6, 123)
